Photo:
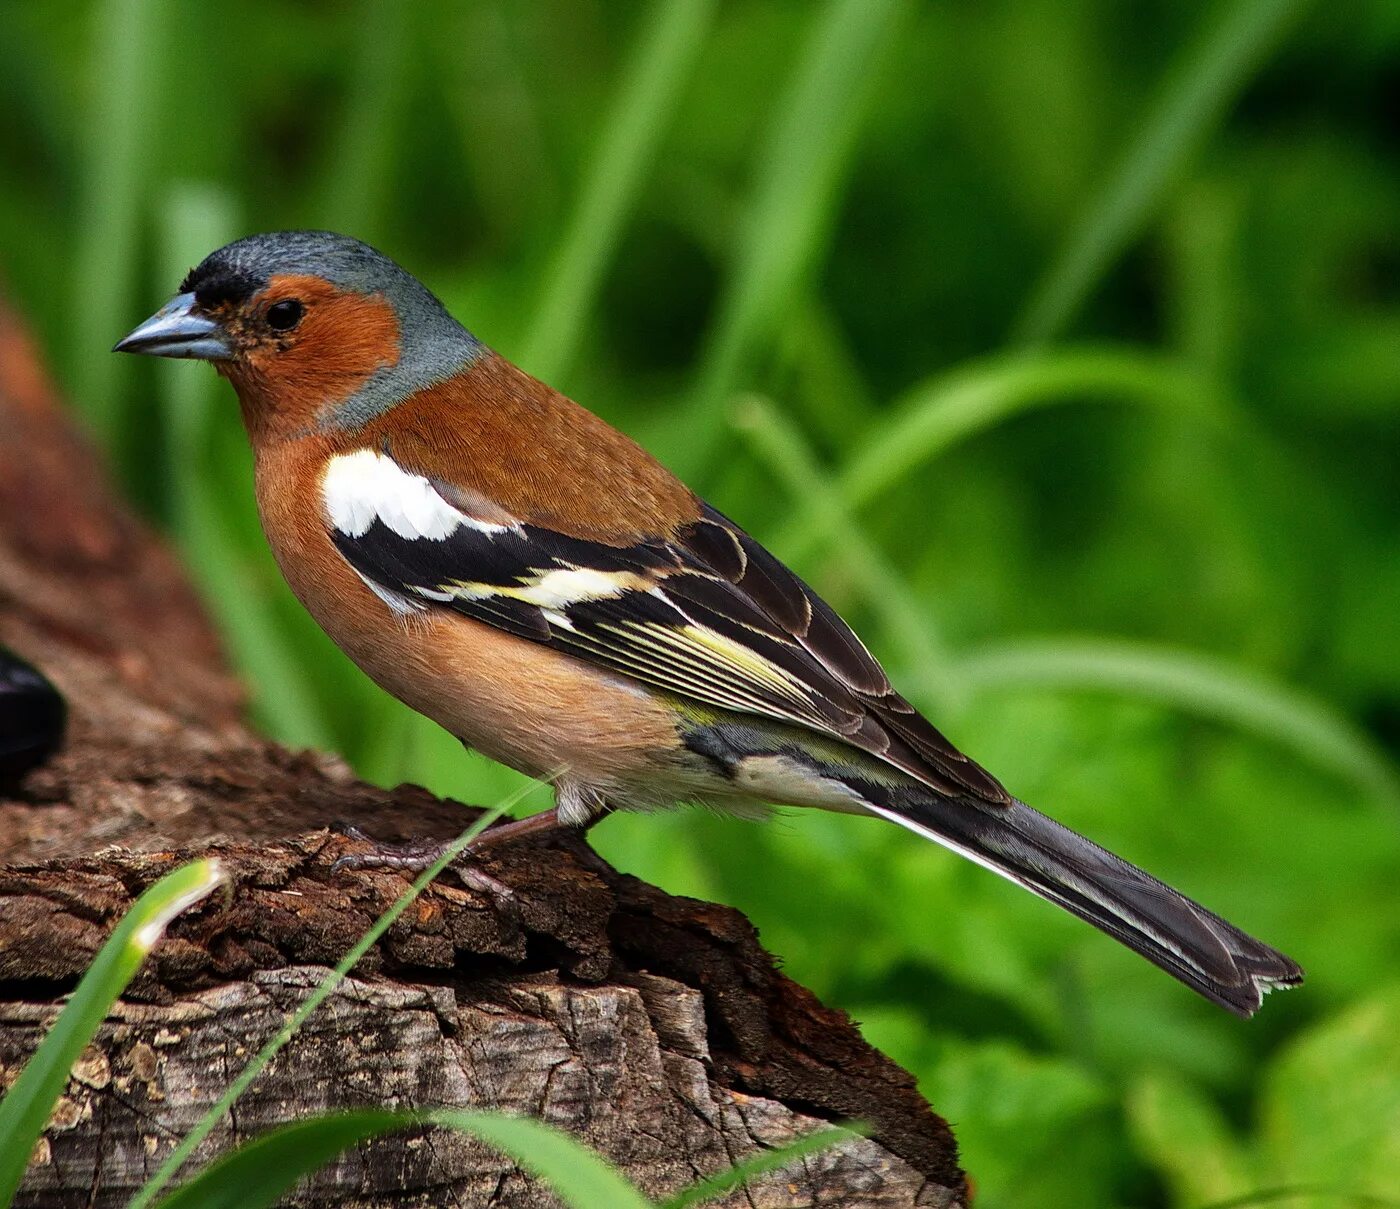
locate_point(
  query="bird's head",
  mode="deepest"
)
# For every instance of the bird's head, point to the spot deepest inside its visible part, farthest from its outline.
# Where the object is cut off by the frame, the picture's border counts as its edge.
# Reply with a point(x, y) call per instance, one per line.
point(314, 330)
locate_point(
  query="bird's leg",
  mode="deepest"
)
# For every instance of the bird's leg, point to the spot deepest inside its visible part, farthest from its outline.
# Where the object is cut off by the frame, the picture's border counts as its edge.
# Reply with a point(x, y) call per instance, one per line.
point(416, 855)
point(581, 808)
point(577, 809)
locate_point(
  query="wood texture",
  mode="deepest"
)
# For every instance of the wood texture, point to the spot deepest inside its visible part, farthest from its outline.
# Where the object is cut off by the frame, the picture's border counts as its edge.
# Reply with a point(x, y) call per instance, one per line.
point(656, 1028)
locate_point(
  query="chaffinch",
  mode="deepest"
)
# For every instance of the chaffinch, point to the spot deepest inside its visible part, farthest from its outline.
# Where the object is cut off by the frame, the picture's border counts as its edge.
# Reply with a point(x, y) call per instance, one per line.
point(506, 563)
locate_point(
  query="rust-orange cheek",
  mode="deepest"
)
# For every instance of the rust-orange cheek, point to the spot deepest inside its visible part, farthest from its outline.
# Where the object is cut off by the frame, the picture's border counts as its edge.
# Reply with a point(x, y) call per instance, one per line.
point(343, 339)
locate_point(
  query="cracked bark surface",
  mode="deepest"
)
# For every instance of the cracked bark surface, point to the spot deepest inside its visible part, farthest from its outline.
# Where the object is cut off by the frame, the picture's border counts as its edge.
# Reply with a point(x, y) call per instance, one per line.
point(655, 1028)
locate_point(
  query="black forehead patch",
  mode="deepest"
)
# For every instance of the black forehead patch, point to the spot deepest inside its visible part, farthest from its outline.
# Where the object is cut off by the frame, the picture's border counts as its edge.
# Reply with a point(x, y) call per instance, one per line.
point(215, 281)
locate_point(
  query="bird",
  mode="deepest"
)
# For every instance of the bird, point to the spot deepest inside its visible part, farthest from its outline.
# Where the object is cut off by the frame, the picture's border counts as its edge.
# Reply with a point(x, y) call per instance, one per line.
point(508, 564)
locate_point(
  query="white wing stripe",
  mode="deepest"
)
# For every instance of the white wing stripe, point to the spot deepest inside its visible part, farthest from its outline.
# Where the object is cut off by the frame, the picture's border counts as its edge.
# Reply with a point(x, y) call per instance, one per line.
point(398, 603)
point(362, 487)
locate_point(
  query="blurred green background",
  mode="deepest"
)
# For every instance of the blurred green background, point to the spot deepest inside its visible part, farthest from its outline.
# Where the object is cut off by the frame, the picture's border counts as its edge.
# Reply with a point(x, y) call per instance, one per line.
point(1056, 341)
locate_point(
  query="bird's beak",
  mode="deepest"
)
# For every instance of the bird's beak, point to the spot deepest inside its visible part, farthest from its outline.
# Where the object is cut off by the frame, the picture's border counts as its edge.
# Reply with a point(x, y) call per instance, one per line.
point(177, 331)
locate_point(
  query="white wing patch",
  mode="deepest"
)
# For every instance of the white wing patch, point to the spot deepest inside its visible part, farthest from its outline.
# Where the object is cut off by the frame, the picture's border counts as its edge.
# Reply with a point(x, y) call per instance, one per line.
point(362, 487)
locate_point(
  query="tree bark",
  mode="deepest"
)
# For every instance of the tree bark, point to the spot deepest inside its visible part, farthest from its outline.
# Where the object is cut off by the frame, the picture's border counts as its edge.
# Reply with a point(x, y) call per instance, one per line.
point(655, 1028)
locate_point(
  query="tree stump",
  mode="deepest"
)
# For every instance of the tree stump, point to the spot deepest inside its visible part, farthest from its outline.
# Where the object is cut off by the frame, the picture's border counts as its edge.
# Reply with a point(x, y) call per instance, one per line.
point(655, 1028)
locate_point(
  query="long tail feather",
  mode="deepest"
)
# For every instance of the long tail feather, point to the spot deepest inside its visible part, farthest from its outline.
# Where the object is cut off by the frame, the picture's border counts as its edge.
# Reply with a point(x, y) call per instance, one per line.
point(1208, 954)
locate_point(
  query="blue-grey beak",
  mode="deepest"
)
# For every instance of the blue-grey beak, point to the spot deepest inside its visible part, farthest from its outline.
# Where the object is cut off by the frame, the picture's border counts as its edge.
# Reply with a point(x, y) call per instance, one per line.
point(176, 331)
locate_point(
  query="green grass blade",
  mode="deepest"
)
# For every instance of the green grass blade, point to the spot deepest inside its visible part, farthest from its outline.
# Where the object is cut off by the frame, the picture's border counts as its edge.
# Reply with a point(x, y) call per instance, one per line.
point(196, 218)
point(651, 83)
point(937, 414)
point(1193, 98)
point(1298, 1192)
point(258, 1173)
point(1205, 306)
point(358, 175)
point(284, 699)
point(117, 135)
point(27, 1105)
point(806, 152)
point(1198, 683)
point(333, 979)
point(783, 449)
point(835, 399)
point(580, 1177)
point(761, 1164)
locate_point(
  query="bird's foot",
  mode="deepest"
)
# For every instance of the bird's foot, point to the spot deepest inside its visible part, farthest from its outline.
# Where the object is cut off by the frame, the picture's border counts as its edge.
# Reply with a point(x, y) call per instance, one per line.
point(411, 857)
point(417, 855)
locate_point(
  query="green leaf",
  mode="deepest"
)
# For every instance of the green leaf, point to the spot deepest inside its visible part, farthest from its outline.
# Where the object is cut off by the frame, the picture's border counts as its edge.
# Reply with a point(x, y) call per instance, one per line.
point(828, 381)
point(27, 1105)
point(357, 180)
point(123, 123)
point(580, 1177)
point(258, 1173)
point(1185, 1137)
point(1032, 1130)
point(1306, 1196)
point(1331, 1113)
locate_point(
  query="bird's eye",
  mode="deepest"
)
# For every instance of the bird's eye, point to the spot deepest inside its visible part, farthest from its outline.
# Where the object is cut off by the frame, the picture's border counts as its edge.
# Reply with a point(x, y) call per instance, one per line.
point(285, 315)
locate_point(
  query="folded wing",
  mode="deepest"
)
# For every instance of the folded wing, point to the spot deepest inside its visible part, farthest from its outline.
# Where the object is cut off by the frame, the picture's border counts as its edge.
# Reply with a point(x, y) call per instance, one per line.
point(707, 614)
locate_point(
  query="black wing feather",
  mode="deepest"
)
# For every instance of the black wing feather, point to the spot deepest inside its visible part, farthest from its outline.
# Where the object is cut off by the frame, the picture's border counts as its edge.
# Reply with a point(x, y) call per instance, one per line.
point(710, 615)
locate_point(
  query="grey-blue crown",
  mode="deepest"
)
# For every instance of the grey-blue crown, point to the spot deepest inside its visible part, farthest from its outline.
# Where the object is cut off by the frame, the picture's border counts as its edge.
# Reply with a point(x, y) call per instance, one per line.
point(433, 345)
